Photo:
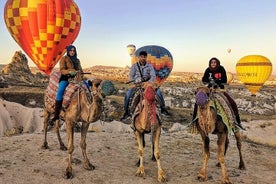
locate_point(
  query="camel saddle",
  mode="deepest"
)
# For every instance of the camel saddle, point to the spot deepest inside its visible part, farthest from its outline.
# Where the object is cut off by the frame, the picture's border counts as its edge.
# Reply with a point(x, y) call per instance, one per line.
point(51, 91)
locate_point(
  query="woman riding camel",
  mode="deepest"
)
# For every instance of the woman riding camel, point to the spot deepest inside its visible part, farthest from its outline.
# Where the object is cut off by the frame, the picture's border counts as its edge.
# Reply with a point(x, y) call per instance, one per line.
point(215, 76)
point(69, 65)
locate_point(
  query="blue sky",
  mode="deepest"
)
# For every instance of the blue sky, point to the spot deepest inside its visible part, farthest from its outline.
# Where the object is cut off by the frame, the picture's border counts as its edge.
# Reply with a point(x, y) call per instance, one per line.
point(192, 30)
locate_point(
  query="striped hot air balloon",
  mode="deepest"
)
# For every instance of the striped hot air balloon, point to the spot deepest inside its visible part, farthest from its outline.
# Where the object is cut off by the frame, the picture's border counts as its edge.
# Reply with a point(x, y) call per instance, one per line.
point(43, 28)
point(253, 71)
point(160, 58)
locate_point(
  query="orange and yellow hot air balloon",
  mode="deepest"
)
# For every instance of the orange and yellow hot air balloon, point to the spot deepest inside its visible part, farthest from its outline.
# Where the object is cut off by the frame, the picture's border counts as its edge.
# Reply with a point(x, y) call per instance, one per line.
point(253, 71)
point(43, 28)
point(160, 58)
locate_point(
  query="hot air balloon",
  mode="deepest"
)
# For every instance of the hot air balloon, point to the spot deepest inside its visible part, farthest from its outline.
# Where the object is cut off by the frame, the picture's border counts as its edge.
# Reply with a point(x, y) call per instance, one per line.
point(160, 58)
point(228, 50)
point(131, 49)
point(253, 71)
point(43, 28)
point(230, 77)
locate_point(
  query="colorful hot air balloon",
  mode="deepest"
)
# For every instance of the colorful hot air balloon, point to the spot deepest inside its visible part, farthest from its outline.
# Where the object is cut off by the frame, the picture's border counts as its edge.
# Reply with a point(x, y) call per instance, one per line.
point(131, 49)
point(228, 50)
point(160, 58)
point(43, 28)
point(253, 71)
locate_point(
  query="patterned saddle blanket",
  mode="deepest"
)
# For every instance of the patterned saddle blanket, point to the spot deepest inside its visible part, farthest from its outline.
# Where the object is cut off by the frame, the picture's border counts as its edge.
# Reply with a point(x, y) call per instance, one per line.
point(223, 109)
point(51, 91)
point(136, 105)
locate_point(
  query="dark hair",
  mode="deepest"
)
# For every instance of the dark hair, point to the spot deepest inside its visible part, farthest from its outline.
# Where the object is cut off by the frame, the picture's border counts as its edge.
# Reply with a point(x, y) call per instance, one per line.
point(217, 61)
point(143, 53)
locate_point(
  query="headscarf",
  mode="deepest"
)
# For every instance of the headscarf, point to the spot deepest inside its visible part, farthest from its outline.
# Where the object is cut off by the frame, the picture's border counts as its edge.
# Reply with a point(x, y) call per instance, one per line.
point(73, 58)
point(217, 61)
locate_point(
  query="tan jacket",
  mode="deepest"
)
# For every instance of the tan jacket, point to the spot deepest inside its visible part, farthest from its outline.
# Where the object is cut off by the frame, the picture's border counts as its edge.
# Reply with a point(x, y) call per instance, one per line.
point(66, 65)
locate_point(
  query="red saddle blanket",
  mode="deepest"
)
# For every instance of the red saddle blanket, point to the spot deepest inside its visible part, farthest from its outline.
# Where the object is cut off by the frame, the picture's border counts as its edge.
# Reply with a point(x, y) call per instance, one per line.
point(51, 91)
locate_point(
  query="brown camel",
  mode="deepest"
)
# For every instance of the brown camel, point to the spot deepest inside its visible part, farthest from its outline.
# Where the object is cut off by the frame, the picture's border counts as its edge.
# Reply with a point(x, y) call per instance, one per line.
point(146, 120)
point(209, 122)
point(80, 109)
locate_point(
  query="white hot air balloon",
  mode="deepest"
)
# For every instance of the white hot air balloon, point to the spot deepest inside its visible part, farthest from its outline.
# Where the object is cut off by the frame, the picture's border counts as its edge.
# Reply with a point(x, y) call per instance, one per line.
point(131, 49)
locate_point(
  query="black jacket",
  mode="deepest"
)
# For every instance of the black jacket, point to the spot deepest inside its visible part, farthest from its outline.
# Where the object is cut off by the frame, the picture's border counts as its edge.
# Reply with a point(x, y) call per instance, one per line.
point(219, 76)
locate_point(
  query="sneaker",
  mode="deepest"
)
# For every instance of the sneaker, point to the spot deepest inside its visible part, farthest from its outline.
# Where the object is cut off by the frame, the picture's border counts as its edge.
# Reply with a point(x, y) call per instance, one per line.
point(240, 126)
point(165, 112)
point(125, 116)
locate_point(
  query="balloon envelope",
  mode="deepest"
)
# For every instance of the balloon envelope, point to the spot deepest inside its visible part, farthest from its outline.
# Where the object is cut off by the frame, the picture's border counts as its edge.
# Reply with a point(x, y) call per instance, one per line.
point(131, 49)
point(43, 29)
point(253, 71)
point(229, 50)
point(160, 58)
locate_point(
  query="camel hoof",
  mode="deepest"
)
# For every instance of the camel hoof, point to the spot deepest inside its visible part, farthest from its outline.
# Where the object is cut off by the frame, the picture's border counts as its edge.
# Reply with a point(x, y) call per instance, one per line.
point(63, 147)
point(89, 167)
point(68, 175)
point(161, 176)
point(201, 178)
point(227, 181)
point(140, 172)
point(45, 145)
point(242, 167)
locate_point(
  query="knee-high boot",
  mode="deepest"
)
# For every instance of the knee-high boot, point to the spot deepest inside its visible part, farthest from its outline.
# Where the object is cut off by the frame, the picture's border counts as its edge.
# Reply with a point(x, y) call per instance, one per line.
point(194, 113)
point(238, 119)
point(58, 106)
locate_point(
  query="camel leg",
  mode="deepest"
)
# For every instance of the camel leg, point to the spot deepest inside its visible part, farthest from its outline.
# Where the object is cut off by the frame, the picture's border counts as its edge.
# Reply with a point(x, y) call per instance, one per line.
point(61, 144)
point(156, 139)
point(153, 149)
point(202, 176)
point(222, 137)
point(141, 170)
point(45, 125)
point(86, 164)
point(225, 150)
point(239, 145)
point(144, 144)
point(70, 133)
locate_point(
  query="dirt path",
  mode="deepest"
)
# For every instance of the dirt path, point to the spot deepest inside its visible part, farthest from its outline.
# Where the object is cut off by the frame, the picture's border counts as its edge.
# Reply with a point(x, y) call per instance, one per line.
point(115, 154)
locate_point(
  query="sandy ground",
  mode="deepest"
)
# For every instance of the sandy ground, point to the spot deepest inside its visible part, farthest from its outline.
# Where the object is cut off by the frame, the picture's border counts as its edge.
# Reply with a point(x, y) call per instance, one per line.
point(112, 148)
point(114, 153)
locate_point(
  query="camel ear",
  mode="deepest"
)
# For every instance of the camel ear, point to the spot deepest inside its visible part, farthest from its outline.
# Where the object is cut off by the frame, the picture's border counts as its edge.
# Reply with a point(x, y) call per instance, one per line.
point(97, 82)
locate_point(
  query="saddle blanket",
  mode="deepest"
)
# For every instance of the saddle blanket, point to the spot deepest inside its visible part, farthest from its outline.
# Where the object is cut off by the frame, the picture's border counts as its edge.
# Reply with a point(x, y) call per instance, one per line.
point(51, 91)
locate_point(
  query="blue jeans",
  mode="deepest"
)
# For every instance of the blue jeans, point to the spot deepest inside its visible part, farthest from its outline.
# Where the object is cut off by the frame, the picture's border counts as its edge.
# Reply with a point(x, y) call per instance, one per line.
point(130, 91)
point(160, 96)
point(61, 89)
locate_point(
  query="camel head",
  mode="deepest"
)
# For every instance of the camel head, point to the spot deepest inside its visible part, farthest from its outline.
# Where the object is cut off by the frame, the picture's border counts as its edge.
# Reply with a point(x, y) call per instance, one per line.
point(96, 89)
point(149, 90)
point(202, 95)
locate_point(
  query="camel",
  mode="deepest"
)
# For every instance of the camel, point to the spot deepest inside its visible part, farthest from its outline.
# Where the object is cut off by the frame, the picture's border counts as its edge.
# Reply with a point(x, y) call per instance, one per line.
point(81, 109)
point(209, 122)
point(146, 120)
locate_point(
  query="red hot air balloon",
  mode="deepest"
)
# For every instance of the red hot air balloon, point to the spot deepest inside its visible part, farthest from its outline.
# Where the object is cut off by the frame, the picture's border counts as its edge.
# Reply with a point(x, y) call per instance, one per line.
point(160, 58)
point(43, 28)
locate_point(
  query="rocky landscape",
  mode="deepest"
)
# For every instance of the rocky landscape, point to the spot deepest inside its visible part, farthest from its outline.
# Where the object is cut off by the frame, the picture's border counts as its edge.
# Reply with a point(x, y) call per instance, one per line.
point(111, 144)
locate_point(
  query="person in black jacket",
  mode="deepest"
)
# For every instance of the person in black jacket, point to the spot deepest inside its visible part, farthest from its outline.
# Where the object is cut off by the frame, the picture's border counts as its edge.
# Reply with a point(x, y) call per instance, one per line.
point(215, 76)
point(215, 73)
